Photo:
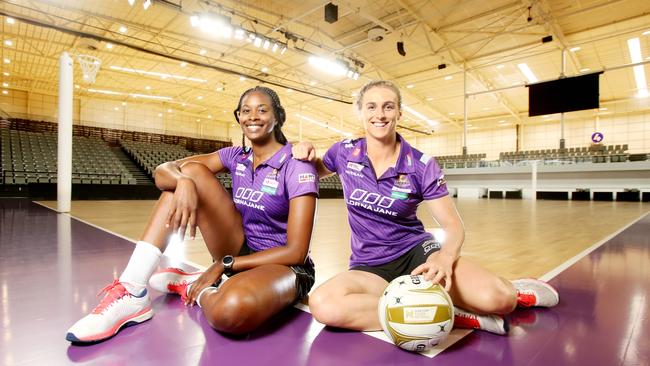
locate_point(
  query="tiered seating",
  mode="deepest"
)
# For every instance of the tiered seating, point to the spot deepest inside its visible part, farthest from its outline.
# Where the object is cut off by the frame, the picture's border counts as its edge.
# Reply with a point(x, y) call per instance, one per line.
point(331, 182)
point(150, 155)
point(591, 154)
point(461, 161)
point(30, 157)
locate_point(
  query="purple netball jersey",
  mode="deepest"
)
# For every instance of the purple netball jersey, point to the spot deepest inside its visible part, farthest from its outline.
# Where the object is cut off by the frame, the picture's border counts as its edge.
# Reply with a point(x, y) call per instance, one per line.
point(262, 196)
point(382, 211)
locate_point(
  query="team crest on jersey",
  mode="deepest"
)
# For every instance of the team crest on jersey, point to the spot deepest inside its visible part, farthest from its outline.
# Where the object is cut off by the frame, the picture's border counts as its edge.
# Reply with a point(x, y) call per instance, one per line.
point(356, 151)
point(401, 187)
point(270, 183)
point(355, 166)
point(306, 178)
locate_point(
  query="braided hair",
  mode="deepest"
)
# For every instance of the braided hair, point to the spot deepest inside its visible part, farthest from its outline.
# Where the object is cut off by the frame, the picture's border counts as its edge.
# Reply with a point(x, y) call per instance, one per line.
point(278, 111)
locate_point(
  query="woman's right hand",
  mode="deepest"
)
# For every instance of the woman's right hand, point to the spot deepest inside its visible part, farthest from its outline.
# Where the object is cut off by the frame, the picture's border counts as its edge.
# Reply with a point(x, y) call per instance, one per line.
point(182, 212)
point(208, 278)
point(304, 151)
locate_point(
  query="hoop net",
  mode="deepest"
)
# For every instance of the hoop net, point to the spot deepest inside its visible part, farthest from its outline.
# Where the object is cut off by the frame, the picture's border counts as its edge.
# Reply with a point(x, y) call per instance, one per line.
point(89, 67)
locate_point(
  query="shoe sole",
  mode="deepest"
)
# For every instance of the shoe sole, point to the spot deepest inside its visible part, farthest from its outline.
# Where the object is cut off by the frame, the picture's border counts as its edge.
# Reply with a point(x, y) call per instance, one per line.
point(138, 318)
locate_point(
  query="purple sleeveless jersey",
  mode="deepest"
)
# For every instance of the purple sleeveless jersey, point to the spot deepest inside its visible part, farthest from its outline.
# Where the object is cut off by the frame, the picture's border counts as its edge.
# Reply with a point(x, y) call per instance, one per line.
point(382, 212)
point(262, 197)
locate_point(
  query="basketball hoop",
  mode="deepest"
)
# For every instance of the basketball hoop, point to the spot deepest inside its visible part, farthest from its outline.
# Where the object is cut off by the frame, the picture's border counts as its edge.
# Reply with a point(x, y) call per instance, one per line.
point(89, 67)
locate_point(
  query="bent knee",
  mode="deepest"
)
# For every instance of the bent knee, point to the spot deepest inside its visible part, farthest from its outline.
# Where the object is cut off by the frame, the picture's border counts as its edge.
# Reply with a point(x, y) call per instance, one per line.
point(233, 313)
point(324, 309)
point(195, 169)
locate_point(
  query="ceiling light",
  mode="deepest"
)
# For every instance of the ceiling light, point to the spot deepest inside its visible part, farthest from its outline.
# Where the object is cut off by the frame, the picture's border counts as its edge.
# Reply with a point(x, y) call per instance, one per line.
point(257, 42)
point(634, 46)
point(334, 67)
point(159, 114)
point(123, 103)
point(117, 108)
point(603, 108)
point(289, 90)
point(500, 66)
point(448, 77)
point(134, 95)
point(109, 46)
point(170, 110)
point(312, 83)
point(239, 33)
point(146, 4)
point(5, 73)
point(452, 113)
point(198, 120)
point(5, 92)
point(585, 69)
point(420, 116)
point(147, 87)
point(7, 61)
point(203, 52)
point(646, 33)
point(183, 104)
point(574, 49)
point(200, 97)
point(123, 29)
point(157, 74)
point(265, 69)
point(214, 24)
point(5, 85)
point(410, 86)
point(9, 43)
point(242, 78)
point(77, 87)
point(11, 20)
point(528, 73)
point(209, 116)
point(429, 99)
point(275, 47)
point(131, 2)
point(183, 64)
point(267, 44)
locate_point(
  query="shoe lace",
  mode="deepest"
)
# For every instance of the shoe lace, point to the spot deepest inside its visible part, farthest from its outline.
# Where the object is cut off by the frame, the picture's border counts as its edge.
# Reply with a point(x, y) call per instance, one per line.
point(179, 288)
point(526, 297)
point(114, 291)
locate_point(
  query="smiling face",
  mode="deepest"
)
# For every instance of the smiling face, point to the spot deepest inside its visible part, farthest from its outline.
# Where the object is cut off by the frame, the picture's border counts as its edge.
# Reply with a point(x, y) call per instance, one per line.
point(256, 117)
point(380, 112)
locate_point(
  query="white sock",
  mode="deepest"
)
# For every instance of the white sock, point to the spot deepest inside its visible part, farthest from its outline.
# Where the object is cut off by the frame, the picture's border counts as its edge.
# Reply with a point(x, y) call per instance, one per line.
point(142, 264)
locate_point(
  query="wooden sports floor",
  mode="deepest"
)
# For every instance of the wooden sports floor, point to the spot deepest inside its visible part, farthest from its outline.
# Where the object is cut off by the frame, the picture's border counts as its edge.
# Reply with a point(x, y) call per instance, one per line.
point(513, 238)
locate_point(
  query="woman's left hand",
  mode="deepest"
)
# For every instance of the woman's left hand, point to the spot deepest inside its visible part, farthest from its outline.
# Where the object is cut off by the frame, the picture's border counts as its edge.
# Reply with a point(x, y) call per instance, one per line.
point(438, 268)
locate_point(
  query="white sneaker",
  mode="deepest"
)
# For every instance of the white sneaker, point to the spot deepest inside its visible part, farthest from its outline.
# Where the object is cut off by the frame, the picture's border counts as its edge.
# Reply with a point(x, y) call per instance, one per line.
point(117, 309)
point(531, 292)
point(173, 281)
point(496, 324)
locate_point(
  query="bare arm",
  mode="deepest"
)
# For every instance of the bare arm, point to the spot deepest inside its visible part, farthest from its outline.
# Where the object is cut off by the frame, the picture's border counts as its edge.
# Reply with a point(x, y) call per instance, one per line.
point(167, 174)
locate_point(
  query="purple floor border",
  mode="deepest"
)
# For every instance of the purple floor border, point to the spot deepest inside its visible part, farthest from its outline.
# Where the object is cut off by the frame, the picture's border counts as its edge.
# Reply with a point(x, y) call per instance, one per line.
point(52, 267)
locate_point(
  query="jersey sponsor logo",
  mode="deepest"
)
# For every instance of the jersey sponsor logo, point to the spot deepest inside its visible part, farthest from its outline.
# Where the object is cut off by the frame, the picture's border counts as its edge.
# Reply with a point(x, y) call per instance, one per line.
point(355, 174)
point(441, 181)
point(306, 178)
point(249, 197)
point(241, 167)
point(430, 245)
point(270, 182)
point(240, 174)
point(355, 166)
point(371, 201)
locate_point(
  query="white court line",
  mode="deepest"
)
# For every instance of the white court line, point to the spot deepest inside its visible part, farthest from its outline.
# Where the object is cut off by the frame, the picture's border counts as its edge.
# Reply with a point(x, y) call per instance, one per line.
point(559, 269)
point(195, 265)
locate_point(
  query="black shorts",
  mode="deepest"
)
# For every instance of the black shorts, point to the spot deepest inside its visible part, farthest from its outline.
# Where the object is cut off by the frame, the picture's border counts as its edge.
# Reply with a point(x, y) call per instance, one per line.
point(404, 264)
point(305, 274)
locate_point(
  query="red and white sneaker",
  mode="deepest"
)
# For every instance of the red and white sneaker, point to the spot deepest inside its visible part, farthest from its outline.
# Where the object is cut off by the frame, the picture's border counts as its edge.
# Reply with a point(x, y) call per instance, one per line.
point(118, 309)
point(173, 281)
point(532, 292)
point(496, 324)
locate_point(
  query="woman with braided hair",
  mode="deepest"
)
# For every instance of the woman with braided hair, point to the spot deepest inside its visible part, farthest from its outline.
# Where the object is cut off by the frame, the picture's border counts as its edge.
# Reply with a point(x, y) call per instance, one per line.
point(258, 238)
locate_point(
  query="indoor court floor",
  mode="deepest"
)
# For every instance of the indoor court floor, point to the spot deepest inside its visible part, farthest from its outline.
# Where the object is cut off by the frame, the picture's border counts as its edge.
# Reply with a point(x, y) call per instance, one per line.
point(597, 254)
